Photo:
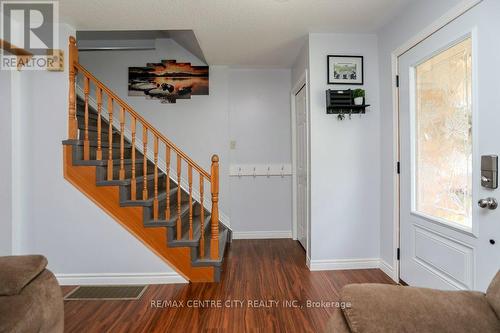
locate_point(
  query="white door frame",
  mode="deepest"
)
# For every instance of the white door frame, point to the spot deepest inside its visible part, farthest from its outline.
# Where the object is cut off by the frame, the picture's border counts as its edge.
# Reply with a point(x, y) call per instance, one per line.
point(447, 18)
point(297, 86)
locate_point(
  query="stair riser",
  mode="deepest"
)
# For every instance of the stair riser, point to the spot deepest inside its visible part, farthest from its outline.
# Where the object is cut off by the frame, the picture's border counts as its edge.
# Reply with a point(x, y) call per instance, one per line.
point(127, 153)
point(92, 120)
point(93, 136)
point(148, 211)
point(125, 190)
point(102, 171)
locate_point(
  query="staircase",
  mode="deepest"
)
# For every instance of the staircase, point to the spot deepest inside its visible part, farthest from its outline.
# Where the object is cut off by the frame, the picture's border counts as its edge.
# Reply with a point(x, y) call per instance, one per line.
point(137, 182)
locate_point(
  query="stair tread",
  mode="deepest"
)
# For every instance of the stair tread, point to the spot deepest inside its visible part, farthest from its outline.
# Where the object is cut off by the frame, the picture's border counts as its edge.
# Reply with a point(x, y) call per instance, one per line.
point(105, 162)
point(92, 128)
point(93, 143)
point(149, 202)
point(128, 181)
point(170, 222)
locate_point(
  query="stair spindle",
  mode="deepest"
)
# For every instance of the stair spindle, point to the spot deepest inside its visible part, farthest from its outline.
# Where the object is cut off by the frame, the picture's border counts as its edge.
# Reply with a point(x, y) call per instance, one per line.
point(167, 158)
point(214, 184)
point(99, 129)
point(122, 144)
point(179, 190)
point(155, 201)
point(86, 143)
point(202, 219)
point(190, 181)
point(133, 184)
point(110, 138)
point(145, 163)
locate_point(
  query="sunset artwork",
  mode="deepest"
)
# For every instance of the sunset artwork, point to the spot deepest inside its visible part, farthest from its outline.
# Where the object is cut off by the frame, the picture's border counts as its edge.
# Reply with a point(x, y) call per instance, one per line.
point(168, 81)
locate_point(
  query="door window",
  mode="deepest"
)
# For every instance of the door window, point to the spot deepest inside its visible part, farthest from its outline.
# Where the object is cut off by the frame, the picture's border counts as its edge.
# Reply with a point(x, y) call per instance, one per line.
point(442, 138)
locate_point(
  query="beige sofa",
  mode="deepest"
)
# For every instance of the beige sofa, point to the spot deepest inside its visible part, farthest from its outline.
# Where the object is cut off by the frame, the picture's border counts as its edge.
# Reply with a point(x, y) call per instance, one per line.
point(387, 308)
point(30, 297)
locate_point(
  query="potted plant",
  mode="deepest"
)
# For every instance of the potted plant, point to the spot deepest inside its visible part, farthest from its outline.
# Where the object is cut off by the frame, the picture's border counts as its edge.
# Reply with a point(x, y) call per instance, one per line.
point(359, 96)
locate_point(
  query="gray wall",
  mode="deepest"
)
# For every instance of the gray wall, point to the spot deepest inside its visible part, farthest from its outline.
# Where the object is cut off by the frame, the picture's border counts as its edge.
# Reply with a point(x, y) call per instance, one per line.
point(345, 158)
point(5, 166)
point(259, 122)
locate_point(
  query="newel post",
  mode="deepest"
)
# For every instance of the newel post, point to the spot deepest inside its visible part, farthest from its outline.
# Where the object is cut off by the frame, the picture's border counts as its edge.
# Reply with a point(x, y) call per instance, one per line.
point(72, 59)
point(214, 220)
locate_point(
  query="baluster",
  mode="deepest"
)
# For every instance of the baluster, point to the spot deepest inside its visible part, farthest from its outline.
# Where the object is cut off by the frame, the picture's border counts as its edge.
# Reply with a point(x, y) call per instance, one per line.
point(72, 120)
point(122, 144)
point(133, 184)
point(167, 158)
point(99, 111)
point(214, 184)
point(190, 181)
point(202, 219)
point(155, 201)
point(110, 138)
point(179, 190)
point(145, 163)
point(86, 144)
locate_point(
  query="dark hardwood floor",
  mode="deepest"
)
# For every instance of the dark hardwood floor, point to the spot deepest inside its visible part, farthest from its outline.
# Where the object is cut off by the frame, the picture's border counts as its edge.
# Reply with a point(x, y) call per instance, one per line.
point(254, 270)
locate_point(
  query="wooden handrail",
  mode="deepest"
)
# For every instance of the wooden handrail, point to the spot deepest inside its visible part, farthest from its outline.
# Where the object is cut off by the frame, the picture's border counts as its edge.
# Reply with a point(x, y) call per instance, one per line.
point(139, 118)
point(147, 129)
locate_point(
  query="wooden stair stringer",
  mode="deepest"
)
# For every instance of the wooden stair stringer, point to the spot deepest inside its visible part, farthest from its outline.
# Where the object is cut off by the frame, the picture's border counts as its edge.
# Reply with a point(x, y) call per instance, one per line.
point(131, 218)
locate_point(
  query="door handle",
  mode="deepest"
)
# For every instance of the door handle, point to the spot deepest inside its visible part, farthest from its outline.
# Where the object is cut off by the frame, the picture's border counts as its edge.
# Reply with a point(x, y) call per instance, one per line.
point(489, 203)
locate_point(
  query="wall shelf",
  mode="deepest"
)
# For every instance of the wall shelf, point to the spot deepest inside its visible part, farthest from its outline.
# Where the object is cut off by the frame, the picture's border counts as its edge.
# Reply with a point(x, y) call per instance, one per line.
point(346, 109)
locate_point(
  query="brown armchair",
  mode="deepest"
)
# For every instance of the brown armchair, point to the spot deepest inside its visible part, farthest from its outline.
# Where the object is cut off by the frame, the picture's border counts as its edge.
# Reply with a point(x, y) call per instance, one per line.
point(385, 308)
point(30, 296)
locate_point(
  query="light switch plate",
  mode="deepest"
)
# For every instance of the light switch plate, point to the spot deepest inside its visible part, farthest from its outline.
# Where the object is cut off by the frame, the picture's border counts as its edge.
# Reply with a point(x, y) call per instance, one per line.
point(232, 144)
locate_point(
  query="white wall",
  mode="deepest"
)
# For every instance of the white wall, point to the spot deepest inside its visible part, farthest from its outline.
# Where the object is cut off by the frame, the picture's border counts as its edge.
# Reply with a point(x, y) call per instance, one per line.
point(301, 63)
point(61, 223)
point(259, 123)
point(345, 159)
point(250, 106)
point(5, 167)
point(412, 20)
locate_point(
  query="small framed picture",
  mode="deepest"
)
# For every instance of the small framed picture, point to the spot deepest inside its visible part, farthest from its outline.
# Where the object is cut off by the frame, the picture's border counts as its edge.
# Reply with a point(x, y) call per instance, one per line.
point(345, 69)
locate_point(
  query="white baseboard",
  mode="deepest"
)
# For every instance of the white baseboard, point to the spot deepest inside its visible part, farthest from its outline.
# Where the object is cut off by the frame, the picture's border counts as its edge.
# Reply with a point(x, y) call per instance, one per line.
point(119, 278)
point(337, 264)
point(261, 234)
point(388, 269)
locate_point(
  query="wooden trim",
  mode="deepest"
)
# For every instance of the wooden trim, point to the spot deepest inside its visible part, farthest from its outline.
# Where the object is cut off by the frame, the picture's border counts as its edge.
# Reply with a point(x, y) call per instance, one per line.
point(131, 218)
point(20, 53)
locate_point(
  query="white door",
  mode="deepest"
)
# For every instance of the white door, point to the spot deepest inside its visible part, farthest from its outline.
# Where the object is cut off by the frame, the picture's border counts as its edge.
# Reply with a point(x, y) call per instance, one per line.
point(448, 120)
point(301, 172)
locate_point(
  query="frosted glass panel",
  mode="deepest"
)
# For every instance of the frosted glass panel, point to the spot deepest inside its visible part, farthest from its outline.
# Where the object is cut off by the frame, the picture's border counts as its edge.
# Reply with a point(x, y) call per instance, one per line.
point(443, 138)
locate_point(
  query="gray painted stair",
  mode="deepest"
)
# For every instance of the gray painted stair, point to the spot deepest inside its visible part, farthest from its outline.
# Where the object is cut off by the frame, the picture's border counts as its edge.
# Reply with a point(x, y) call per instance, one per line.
point(170, 225)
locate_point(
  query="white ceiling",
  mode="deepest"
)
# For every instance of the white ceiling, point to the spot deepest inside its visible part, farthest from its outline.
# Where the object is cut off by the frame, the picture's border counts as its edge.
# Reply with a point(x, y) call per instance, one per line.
point(267, 33)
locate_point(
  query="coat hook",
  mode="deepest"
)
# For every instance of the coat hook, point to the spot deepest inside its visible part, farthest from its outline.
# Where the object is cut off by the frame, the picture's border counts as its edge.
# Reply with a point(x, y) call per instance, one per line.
point(254, 172)
point(282, 171)
point(239, 172)
point(268, 171)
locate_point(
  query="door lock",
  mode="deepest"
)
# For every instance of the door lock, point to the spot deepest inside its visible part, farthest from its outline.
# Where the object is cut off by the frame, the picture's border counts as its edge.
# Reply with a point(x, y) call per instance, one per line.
point(489, 171)
point(489, 203)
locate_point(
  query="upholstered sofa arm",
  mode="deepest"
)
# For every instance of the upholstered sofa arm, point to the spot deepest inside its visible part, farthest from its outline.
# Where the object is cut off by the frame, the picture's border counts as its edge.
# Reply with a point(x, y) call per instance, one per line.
point(386, 308)
point(17, 271)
